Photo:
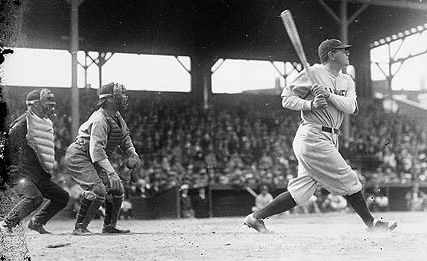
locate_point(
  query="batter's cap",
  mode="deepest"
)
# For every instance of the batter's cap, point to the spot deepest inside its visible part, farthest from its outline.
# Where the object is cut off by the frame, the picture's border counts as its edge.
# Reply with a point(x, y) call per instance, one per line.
point(329, 45)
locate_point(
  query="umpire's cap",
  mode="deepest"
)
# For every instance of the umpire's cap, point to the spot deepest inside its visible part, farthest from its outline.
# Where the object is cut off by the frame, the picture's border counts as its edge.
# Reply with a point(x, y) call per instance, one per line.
point(43, 95)
point(329, 45)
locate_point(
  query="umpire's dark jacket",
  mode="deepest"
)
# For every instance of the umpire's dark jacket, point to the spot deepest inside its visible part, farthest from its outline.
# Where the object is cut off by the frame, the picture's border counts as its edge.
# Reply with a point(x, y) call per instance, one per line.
point(22, 155)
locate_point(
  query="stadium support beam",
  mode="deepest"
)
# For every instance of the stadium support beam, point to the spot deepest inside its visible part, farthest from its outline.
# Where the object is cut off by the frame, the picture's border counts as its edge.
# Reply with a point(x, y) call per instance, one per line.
point(201, 79)
point(183, 65)
point(392, 3)
point(393, 60)
point(86, 66)
point(74, 49)
point(329, 10)
point(100, 61)
point(357, 13)
point(343, 20)
point(344, 38)
point(295, 67)
point(215, 67)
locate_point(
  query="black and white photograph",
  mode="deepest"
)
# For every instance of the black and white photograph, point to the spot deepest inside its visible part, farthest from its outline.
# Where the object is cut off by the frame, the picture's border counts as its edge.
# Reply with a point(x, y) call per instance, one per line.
point(213, 130)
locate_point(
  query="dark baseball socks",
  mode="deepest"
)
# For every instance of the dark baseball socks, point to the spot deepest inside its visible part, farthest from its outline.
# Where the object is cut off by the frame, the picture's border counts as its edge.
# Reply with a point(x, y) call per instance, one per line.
point(112, 210)
point(357, 202)
point(87, 211)
point(281, 203)
point(285, 202)
point(84, 207)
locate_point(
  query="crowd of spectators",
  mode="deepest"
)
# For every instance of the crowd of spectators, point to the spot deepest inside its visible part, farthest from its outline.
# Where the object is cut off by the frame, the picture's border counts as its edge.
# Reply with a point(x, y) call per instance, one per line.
point(395, 143)
point(217, 147)
point(241, 147)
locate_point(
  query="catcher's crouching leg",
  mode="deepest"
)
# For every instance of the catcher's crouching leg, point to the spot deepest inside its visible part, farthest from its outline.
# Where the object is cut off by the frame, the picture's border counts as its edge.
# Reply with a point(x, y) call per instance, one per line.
point(113, 205)
point(89, 206)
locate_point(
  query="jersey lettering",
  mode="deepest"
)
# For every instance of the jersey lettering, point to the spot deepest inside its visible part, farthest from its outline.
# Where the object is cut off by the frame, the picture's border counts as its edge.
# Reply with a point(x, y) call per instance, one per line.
point(337, 92)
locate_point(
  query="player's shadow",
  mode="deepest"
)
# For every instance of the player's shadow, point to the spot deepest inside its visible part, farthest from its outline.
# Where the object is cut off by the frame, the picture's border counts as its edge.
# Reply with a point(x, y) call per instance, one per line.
point(98, 234)
point(145, 233)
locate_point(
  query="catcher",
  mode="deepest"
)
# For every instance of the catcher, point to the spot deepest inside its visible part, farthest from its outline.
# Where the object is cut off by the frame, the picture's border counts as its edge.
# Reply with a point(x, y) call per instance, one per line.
point(88, 159)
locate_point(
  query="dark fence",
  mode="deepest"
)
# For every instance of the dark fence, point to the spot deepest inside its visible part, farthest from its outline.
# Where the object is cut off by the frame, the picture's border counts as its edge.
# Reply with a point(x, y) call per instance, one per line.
point(228, 201)
point(163, 205)
point(397, 194)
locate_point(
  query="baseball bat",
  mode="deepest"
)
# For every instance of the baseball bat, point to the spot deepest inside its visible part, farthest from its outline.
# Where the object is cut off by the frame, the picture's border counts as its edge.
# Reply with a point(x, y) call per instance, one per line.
point(292, 31)
point(251, 191)
point(59, 245)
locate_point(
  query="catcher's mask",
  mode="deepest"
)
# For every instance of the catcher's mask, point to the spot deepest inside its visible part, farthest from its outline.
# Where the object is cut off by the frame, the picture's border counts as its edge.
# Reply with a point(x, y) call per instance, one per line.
point(115, 93)
point(43, 100)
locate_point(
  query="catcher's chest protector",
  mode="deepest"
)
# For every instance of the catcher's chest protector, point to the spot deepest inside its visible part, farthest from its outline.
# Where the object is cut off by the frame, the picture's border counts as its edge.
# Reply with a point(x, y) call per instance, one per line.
point(115, 135)
point(40, 138)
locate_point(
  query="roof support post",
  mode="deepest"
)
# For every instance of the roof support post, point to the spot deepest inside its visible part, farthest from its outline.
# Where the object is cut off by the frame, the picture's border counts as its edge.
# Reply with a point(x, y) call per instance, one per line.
point(201, 79)
point(74, 49)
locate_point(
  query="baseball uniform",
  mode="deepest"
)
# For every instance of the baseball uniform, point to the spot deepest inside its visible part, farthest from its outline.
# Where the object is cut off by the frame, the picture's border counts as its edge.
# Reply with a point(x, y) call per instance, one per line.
point(316, 141)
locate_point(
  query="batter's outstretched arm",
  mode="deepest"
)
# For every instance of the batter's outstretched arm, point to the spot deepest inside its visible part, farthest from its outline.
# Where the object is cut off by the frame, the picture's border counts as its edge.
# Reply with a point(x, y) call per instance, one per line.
point(293, 95)
point(348, 103)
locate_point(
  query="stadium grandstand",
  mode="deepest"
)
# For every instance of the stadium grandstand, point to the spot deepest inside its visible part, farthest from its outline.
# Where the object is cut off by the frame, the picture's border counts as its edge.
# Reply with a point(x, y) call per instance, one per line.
point(204, 82)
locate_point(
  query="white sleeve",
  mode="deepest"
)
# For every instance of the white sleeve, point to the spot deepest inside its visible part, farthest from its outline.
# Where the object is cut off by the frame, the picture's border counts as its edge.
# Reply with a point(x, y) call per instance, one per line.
point(347, 103)
point(106, 165)
point(292, 101)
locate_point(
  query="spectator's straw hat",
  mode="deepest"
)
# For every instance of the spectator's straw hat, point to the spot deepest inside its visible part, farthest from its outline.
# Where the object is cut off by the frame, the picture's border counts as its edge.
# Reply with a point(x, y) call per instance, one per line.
point(199, 185)
point(185, 187)
point(249, 175)
point(172, 174)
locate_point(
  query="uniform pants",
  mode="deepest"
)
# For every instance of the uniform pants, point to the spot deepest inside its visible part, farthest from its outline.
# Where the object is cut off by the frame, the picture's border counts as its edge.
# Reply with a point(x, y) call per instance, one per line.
point(31, 197)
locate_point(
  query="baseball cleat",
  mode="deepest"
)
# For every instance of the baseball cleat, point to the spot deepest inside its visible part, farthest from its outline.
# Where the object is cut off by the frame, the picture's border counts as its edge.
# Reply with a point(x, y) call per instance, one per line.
point(80, 230)
point(256, 224)
point(34, 225)
point(379, 225)
point(114, 230)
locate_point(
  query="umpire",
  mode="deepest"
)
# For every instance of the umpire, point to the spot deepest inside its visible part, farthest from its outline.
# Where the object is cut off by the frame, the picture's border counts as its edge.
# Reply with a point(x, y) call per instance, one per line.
point(31, 139)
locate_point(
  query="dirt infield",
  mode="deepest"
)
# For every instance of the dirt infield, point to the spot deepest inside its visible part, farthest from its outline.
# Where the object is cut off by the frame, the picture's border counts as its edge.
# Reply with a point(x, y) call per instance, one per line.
point(299, 237)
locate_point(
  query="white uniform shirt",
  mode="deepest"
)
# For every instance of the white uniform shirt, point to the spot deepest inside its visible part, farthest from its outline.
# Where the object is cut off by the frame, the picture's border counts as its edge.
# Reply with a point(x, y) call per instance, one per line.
point(298, 96)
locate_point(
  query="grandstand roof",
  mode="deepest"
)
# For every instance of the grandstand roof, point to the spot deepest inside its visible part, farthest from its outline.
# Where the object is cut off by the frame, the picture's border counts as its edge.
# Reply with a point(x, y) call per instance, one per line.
point(222, 28)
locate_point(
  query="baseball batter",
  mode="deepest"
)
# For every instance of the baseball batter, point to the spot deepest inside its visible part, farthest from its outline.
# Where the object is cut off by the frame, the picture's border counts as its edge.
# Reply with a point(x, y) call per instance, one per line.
point(323, 96)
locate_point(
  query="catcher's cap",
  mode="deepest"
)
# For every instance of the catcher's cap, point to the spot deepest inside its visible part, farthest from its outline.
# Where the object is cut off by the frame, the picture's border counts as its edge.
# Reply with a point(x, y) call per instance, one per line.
point(104, 92)
point(329, 45)
point(43, 95)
